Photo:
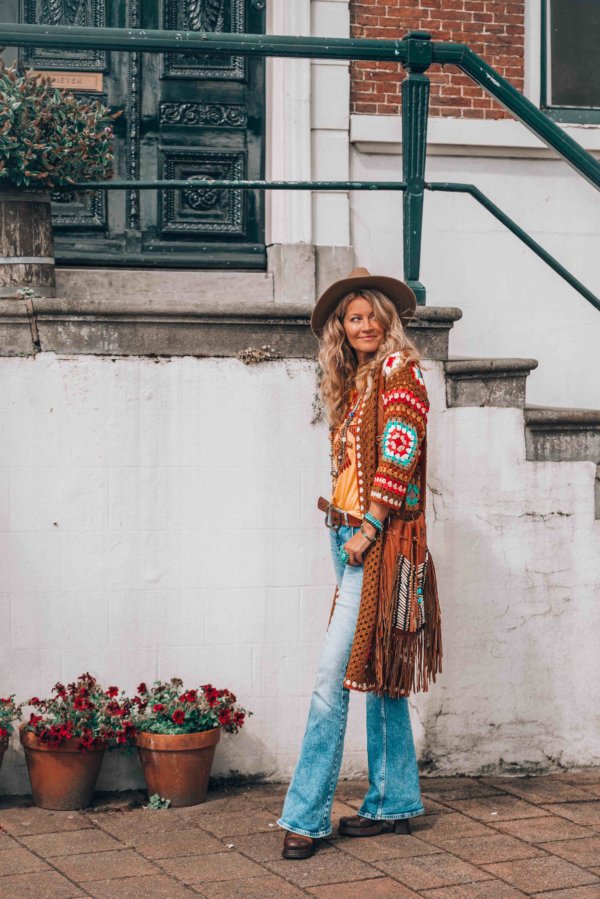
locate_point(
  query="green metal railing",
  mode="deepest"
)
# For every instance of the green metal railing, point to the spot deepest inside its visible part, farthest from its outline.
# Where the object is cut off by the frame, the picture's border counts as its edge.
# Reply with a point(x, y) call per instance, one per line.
point(416, 53)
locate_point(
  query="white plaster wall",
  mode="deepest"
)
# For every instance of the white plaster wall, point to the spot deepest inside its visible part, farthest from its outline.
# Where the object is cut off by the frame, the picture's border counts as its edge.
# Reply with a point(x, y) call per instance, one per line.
point(159, 518)
point(512, 303)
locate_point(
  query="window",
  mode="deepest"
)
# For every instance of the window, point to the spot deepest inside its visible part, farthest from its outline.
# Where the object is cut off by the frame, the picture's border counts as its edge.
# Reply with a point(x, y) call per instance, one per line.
point(570, 71)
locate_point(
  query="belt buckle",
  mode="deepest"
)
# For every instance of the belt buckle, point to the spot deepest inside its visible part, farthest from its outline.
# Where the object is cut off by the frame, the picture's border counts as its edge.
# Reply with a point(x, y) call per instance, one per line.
point(335, 527)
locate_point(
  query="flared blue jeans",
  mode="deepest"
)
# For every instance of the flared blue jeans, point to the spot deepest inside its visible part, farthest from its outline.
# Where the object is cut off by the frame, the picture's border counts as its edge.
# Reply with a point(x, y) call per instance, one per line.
point(393, 771)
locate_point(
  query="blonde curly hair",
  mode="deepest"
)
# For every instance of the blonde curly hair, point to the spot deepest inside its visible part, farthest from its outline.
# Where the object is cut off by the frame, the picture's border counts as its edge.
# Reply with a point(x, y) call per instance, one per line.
point(338, 360)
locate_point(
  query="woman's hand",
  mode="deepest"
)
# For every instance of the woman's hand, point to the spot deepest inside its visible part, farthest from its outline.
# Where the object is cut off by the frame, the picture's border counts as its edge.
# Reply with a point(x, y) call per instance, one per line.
point(357, 546)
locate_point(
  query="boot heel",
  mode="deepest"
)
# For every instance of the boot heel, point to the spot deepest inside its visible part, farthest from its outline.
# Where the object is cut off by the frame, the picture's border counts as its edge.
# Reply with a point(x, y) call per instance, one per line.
point(402, 826)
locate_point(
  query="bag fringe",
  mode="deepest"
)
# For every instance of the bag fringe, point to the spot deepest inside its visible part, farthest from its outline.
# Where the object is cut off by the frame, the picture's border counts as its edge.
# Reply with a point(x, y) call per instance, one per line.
point(405, 661)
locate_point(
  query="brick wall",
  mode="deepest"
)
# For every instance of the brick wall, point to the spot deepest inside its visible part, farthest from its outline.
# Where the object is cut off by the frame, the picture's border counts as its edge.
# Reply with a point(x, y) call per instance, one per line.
point(493, 28)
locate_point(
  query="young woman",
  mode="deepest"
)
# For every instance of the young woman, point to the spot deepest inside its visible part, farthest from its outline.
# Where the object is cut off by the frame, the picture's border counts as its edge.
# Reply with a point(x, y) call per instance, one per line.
point(383, 636)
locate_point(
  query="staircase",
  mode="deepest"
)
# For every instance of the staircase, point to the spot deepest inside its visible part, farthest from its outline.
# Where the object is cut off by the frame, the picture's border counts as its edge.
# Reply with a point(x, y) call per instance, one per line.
point(513, 528)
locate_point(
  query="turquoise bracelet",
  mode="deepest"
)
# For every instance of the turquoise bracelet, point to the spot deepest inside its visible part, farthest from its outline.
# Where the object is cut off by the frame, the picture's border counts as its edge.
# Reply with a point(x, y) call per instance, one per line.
point(374, 521)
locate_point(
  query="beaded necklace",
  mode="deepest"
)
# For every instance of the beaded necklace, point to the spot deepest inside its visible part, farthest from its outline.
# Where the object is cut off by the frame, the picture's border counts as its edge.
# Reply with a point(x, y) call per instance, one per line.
point(335, 469)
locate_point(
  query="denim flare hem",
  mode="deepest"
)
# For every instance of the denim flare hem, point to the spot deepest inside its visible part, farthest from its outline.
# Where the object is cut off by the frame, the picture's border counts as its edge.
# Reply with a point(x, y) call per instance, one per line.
point(305, 833)
point(420, 811)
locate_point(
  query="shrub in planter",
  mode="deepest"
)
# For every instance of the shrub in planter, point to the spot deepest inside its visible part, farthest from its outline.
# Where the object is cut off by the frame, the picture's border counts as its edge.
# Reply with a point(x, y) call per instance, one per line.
point(48, 139)
point(178, 730)
point(9, 712)
point(66, 736)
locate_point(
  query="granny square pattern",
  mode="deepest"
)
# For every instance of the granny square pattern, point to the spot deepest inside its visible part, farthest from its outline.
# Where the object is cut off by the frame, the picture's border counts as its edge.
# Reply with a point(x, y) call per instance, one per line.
point(391, 363)
point(417, 374)
point(400, 442)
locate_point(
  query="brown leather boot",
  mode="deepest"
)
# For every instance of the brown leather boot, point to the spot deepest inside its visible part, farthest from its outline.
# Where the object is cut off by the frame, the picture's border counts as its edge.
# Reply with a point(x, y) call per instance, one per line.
point(357, 826)
point(295, 845)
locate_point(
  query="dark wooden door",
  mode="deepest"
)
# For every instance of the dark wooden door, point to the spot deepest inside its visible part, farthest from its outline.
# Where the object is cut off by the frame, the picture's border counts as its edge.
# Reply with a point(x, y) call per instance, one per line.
point(183, 117)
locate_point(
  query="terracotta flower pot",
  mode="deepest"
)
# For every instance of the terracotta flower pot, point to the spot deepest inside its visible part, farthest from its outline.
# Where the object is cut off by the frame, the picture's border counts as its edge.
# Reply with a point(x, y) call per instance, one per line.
point(176, 766)
point(62, 778)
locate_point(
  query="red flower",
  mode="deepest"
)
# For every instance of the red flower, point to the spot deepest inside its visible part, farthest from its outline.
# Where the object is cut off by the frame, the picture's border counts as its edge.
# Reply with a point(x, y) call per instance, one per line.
point(178, 716)
point(159, 707)
point(238, 717)
point(33, 701)
point(142, 688)
point(3, 732)
point(224, 716)
point(112, 691)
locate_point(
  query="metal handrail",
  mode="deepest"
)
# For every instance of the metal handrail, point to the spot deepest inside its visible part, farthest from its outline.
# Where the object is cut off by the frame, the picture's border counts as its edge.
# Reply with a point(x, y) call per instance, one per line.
point(416, 53)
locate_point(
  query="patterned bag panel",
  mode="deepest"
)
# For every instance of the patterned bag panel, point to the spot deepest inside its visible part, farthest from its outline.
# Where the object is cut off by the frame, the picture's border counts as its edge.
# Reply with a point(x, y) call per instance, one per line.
point(409, 608)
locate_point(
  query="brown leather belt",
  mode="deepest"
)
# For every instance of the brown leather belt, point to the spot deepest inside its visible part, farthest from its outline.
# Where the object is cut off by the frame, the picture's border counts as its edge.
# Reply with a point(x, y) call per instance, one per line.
point(334, 517)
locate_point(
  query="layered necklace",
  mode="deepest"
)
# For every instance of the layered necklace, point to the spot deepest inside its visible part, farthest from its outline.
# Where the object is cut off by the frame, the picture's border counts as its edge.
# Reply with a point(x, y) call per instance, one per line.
point(343, 437)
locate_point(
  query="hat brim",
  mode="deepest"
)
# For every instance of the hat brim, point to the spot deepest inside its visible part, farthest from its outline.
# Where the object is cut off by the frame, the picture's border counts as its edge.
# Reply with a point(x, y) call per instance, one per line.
point(397, 291)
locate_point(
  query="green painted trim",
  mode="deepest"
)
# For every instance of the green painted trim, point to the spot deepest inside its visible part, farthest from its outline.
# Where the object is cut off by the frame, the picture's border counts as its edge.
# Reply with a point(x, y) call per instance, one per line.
point(518, 232)
point(241, 185)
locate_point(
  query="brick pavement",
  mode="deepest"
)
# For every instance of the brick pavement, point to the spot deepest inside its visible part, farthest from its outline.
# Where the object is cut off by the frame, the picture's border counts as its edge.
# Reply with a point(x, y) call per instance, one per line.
point(481, 838)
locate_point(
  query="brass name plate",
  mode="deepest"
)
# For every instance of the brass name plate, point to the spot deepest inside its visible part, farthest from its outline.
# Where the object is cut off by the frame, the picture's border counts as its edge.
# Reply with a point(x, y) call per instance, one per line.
point(75, 81)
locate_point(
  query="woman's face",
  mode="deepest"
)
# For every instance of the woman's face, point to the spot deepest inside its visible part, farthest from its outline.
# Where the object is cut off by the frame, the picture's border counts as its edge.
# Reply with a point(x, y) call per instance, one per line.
point(363, 331)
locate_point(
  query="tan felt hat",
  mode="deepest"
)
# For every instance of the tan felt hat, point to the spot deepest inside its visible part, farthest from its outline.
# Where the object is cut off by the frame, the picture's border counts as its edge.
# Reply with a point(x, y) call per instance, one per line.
point(398, 292)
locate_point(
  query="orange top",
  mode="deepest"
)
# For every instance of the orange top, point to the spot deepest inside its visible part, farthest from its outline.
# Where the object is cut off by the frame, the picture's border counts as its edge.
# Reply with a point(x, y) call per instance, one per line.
point(345, 494)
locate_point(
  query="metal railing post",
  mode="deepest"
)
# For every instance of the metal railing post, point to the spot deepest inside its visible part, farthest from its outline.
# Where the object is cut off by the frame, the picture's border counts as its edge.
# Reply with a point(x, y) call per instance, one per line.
point(415, 111)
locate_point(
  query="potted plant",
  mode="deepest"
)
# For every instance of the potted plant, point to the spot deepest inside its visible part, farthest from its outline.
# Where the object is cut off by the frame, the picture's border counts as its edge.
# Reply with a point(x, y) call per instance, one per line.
point(48, 139)
point(66, 736)
point(9, 711)
point(177, 733)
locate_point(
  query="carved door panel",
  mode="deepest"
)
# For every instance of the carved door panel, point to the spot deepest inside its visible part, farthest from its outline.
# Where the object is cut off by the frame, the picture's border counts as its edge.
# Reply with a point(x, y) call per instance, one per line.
point(183, 117)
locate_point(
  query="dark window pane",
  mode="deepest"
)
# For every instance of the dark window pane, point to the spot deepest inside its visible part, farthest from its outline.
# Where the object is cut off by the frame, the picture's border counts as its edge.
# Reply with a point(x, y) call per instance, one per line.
point(574, 52)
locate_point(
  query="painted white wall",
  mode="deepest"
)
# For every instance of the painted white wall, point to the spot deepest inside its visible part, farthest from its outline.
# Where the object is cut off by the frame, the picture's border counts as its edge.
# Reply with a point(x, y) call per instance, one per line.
point(512, 303)
point(159, 518)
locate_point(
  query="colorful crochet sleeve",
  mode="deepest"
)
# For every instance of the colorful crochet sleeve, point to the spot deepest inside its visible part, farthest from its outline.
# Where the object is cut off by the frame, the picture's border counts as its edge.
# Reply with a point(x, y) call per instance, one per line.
point(405, 408)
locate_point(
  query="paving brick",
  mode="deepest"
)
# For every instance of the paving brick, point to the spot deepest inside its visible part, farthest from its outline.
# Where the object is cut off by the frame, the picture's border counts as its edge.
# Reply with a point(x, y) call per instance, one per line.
point(588, 892)
point(127, 826)
point(429, 871)
point(488, 849)
point(25, 820)
point(51, 885)
point(380, 888)
point(545, 789)
point(532, 875)
point(579, 812)
point(456, 788)
point(228, 865)
point(438, 828)
point(484, 889)
point(73, 842)
point(384, 846)
point(7, 842)
point(233, 822)
point(499, 808)
point(174, 843)
point(539, 830)
point(19, 861)
point(96, 865)
point(323, 868)
point(154, 887)
point(584, 852)
point(270, 887)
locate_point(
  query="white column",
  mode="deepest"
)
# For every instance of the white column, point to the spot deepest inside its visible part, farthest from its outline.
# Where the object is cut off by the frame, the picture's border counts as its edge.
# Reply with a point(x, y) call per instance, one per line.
point(288, 128)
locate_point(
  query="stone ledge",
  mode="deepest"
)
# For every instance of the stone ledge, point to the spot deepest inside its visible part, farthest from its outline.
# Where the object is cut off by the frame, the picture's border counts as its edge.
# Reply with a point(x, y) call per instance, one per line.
point(174, 326)
point(481, 381)
point(561, 434)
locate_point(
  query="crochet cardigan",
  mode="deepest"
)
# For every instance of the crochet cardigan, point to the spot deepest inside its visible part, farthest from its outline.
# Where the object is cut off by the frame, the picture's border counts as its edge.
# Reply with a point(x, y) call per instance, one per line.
point(397, 645)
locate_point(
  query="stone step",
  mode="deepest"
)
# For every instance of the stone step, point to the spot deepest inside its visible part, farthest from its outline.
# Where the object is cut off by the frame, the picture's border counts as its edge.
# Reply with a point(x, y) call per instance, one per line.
point(180, 323)
point(562, 434)
point(485, 381)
